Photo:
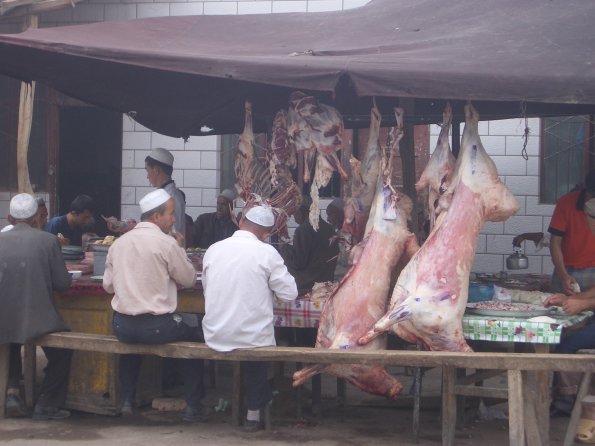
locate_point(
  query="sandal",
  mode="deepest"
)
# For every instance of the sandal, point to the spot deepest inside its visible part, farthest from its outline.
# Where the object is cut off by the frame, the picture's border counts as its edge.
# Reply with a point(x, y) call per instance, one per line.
point(585, 431)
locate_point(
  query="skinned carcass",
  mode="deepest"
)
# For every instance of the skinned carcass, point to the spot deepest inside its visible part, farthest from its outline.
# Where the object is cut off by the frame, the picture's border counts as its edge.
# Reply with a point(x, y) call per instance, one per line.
point(429, 298)
point(437, 175)
point(364, 176)
point(252, 177)
point(316, 130)
point(361, 296)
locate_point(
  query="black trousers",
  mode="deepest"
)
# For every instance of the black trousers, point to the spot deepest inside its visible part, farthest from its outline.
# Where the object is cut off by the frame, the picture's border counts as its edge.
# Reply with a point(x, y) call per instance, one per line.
point(15, 366)
point(54, 386)
point(160, 329)
point(258, 390)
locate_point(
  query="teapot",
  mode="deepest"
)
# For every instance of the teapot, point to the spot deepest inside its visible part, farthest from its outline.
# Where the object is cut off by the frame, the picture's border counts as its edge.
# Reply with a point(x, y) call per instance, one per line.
point(517, 260)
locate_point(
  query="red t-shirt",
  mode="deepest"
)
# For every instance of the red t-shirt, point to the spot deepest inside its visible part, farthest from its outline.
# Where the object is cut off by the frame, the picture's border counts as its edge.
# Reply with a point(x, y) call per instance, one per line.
point(570, 222)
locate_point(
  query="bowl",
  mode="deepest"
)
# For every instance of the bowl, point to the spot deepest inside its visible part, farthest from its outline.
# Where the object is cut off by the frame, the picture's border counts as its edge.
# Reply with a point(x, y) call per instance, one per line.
point(75, 274)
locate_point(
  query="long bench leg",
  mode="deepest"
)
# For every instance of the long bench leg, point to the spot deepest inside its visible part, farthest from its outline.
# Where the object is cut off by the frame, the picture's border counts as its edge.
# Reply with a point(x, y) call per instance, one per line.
point(237, 397)
point(577, 409)
point(543, 398)
point(4, 359)
point(29, 373)
point(516, 413)
point(532, 431)
point(449, 406)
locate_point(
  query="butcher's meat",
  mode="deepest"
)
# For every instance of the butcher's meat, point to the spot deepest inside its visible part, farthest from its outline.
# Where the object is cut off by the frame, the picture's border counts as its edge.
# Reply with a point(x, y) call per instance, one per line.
point(280, 155)
point(364, 176)
point(361, 296)
point(316, 130)
point(251, 175)
point(429, 299)
point(437, 175)
point(285, 196)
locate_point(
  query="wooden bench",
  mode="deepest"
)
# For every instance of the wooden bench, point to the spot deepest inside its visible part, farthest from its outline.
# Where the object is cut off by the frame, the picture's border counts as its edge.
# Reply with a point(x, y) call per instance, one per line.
point(522, 419)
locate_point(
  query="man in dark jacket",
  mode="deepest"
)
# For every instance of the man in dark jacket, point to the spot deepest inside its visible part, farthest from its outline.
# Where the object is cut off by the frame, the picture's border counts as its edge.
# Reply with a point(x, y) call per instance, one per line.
point(215, 226)
point(313, 255)
point(31, 267)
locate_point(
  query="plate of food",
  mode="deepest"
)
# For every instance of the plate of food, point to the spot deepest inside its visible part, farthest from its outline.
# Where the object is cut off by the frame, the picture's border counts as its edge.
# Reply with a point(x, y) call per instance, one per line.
point(506, 309)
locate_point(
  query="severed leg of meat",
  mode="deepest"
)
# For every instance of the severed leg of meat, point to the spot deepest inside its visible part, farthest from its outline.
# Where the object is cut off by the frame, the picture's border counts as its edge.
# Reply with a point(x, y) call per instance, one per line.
point(362, 294)
point(364, 176)
point(437, 175)
point(429, 298)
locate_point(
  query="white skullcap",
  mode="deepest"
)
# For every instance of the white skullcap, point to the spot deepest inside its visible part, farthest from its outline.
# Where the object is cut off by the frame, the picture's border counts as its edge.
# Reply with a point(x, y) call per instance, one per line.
point(230, 194)
point(338, 203)
point(153, 200)
point(162, 155)
point(590, 208)
point(262, 216)
point(23, 206)
point(6, 228)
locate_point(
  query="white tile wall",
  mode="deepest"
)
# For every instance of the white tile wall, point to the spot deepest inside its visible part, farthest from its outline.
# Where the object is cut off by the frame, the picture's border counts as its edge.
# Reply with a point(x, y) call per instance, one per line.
point(200, 156)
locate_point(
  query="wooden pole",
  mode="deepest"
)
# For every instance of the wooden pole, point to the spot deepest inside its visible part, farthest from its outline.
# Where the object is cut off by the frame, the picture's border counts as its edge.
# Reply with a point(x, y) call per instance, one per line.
point(27, 98)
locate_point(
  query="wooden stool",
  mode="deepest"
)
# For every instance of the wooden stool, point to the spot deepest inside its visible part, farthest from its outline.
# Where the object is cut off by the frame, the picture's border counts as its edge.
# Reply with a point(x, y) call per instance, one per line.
point(581, 397)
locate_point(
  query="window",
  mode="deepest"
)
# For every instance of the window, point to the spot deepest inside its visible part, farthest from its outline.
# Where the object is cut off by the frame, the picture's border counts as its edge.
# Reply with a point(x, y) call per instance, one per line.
point(566, 144)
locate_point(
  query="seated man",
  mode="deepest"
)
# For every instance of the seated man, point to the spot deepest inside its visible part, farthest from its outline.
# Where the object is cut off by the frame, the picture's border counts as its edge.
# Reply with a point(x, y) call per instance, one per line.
point(215, 226)
point(142, 269)
point(241, 276)
point(73, 225)
point(313, 255)
point(583, 338)
point(31, 266)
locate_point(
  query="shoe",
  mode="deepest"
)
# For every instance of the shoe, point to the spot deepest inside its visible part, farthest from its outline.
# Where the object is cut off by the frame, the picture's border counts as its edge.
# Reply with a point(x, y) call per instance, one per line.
point(49, 413)
point(562, 407)
point(192, 414)
point(15, 407)
point(253, 426)
point(128, 409)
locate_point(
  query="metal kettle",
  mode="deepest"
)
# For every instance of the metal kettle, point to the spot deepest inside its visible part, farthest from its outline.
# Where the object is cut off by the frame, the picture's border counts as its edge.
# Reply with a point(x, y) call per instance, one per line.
point(517, 260)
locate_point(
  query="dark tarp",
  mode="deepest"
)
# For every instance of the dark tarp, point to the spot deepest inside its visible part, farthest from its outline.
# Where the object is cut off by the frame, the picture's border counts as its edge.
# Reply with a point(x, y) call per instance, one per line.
point(178, 74)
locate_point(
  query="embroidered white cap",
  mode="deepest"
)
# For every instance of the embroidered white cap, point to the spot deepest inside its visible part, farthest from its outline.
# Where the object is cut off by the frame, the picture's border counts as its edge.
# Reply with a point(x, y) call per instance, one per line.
point(162, 155)
point(153, 200)
point(261, 215)
point(23, 206)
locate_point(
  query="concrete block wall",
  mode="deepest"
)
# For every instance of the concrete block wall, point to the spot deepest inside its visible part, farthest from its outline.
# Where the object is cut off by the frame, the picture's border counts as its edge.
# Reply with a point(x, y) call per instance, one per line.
point(503, 141)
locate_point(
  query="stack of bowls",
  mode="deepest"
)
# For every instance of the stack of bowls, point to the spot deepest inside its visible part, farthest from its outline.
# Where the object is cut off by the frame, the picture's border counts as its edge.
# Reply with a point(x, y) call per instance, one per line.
point(72, 253)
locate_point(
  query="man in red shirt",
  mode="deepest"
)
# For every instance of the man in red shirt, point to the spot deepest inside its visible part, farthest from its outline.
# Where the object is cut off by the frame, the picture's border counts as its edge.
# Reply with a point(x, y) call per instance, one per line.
point(573, 244)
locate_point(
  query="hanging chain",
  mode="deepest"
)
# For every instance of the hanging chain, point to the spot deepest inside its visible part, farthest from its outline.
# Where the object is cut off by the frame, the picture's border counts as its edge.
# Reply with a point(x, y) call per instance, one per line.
point(524, 153)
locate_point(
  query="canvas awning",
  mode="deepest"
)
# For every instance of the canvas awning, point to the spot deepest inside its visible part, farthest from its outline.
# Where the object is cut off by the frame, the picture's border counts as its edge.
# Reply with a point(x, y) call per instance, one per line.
point(181, 75)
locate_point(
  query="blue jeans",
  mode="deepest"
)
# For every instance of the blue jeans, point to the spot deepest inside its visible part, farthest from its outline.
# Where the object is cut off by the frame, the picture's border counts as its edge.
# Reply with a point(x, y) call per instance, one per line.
point(159, 329)
point(258, 390)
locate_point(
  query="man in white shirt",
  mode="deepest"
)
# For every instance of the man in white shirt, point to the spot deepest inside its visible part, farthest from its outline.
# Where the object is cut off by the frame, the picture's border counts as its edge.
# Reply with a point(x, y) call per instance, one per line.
point(241, 276)
point(142, 268)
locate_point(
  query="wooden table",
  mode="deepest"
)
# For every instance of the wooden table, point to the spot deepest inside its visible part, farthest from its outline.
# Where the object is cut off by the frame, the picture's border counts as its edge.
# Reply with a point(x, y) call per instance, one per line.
point(93, 384)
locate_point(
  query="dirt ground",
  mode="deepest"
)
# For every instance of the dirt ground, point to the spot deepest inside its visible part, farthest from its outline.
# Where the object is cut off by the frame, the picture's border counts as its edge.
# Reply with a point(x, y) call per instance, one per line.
point(364, 420)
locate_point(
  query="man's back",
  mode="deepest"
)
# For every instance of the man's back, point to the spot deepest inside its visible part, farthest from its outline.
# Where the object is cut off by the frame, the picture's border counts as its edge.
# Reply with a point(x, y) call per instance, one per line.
point(31, 266)
point(240, 275)
point(142, 268)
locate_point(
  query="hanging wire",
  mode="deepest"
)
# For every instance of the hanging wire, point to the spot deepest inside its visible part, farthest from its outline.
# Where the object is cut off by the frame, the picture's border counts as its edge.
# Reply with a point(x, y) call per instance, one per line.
point(524, 153)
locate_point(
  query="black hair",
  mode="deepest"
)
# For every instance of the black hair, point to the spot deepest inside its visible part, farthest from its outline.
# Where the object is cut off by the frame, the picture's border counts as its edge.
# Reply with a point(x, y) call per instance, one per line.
point(164, 167)
point(81, 204)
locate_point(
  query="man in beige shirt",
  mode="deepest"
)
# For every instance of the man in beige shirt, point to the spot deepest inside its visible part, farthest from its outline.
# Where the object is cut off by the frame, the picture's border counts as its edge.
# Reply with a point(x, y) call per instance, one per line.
point(142, 268)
